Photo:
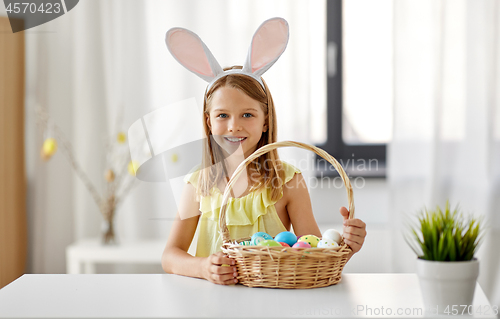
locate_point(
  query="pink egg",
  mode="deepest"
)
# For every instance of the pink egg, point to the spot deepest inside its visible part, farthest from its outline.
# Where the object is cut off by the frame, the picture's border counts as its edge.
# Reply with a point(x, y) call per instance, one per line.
point(284, 244)
point(301, 244)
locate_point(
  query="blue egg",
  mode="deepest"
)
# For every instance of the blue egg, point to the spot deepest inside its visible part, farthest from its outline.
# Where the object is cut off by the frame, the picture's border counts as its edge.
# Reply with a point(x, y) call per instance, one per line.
point(260, 236)
point(286, 237)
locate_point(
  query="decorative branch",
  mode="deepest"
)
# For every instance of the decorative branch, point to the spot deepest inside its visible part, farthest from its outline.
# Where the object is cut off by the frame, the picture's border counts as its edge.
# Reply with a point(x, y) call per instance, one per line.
point(118, 185)
point(68, 152)
point(66, 146)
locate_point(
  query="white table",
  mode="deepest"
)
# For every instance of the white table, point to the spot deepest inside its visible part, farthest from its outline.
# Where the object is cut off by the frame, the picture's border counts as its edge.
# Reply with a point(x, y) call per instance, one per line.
point(82, 256)
point(172, 296)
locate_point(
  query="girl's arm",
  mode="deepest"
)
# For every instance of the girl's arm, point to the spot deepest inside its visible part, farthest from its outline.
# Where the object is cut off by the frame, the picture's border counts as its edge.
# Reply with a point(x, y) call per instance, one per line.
point(176, 260)
point(299, 210)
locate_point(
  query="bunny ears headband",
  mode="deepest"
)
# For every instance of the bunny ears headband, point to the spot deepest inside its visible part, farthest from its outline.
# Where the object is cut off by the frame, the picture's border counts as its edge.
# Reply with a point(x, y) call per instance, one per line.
point(268, 43)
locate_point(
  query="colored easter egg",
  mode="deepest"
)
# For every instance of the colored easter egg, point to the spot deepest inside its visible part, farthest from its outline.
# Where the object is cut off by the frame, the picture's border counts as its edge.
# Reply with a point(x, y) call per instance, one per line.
point(49, 146)
point(310, 239)
point(121, 137)
point(327, 243)
point(109, 175)
point(270, 243)
point(301, 244)
point(286, 237)
point(245, 243)
point(258, 237)
point(256, 240)
point(284, 244)
point(174, 158)
point(333, 235)
point(133, 166)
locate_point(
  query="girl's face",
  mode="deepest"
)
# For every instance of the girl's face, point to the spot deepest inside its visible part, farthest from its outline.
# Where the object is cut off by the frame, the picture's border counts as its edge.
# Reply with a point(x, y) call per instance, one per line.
point(234, 118)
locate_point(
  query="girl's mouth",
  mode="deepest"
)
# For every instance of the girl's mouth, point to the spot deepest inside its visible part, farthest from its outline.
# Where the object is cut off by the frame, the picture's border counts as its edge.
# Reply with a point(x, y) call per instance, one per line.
point(234, 139)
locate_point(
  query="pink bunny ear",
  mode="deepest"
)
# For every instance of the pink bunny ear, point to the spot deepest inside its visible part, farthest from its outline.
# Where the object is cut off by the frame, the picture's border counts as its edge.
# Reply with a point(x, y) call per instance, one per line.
point(188, 49)
point(268, 43)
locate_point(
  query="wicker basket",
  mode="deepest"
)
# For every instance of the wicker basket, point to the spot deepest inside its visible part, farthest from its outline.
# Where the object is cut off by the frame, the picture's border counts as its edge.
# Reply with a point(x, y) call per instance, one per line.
point(284, 267)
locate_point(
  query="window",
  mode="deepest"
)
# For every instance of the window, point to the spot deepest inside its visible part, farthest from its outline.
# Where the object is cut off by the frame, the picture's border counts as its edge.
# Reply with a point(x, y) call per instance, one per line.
point(359, 86)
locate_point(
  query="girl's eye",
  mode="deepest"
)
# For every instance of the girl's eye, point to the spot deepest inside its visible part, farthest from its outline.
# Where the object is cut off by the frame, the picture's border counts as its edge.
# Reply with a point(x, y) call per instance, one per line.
point(222, 115)
point(247, 115)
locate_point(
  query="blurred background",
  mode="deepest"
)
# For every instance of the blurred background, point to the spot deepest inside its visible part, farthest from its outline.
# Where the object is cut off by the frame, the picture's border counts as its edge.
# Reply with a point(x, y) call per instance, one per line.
point(405, 93)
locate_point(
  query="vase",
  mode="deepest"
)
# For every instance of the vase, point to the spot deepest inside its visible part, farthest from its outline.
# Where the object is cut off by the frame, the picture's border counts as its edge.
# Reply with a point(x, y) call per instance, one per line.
point(107, 229)
point(108, 233)
point(445, 284)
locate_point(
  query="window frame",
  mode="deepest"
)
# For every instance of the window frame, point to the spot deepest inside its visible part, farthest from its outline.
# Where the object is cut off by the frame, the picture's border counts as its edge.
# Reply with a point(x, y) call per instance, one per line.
point(350, 156)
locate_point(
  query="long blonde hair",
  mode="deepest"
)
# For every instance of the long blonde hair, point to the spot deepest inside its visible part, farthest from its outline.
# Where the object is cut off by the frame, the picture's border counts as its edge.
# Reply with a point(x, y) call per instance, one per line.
point(263, 171)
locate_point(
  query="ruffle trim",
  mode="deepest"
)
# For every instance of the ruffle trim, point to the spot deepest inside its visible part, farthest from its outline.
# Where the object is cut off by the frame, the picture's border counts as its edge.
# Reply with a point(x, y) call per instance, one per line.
point(253, 205)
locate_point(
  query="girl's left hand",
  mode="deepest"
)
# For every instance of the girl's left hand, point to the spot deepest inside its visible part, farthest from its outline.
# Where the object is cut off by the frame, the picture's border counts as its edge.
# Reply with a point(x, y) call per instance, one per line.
point(354, 231)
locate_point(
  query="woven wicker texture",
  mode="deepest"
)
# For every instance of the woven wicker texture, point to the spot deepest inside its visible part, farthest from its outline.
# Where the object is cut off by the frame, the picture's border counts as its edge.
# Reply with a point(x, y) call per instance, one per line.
point(284, 267)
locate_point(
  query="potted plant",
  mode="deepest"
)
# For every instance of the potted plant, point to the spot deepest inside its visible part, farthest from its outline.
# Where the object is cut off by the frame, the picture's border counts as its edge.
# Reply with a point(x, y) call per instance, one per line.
point(445, 243)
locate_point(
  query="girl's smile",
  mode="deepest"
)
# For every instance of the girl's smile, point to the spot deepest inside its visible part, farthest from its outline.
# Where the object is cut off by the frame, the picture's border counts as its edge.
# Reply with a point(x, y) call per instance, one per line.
point(234, 139)
point(236, 119)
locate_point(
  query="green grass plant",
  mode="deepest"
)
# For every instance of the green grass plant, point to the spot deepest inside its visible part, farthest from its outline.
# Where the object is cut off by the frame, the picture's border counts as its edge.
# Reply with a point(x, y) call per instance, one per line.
point(445, 235)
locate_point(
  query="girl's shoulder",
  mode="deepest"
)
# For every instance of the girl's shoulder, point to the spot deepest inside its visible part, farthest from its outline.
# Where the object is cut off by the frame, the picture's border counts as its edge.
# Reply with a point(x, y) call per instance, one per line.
point(192, 176)
point(289, 171)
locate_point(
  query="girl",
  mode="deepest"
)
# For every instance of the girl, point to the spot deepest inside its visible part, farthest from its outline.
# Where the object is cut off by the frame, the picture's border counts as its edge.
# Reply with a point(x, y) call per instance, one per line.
point(239, 112)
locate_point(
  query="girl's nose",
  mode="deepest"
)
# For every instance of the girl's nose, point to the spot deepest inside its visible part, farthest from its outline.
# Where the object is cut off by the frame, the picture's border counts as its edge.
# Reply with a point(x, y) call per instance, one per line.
point(234, 126)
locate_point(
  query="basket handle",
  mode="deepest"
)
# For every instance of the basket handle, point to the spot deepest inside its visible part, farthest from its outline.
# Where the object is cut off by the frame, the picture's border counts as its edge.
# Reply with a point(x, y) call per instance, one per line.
point(263, 150)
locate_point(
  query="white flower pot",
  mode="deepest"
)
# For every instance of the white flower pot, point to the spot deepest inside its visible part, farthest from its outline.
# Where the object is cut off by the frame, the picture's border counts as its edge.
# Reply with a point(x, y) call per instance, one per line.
point(446, 283)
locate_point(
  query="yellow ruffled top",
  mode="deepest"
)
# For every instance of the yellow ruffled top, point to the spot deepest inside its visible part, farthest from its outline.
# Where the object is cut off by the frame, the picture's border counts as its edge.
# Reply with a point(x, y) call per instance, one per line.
point(245, 216)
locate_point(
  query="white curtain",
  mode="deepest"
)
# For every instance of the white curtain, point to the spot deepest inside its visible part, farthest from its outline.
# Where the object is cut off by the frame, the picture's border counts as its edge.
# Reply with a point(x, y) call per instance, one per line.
point(446, 142)
point(107, 59)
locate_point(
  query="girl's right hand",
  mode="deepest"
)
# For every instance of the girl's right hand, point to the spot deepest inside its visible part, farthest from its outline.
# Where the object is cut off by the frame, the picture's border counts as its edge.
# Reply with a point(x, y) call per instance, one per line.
point(213, 270)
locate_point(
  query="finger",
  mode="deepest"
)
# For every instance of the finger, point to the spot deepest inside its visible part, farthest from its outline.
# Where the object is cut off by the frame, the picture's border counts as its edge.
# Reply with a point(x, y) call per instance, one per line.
point(355, 231)
point(228, 261)
point(354, 238)
point(224, 279)
point(224, 261)
point(231, 281)
point(221, 270)
point(344, 212)
point(354, 246)
point(354, 222)
point(354, 242)
point(215, 258)
point(220, 259)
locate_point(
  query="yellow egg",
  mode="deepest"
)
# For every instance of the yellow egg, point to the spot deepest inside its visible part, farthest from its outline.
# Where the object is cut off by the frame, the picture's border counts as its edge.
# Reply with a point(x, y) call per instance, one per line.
point(174, 157)
point(121, 137)
point(310, 239)
point(133, 166)
point(49, 147)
